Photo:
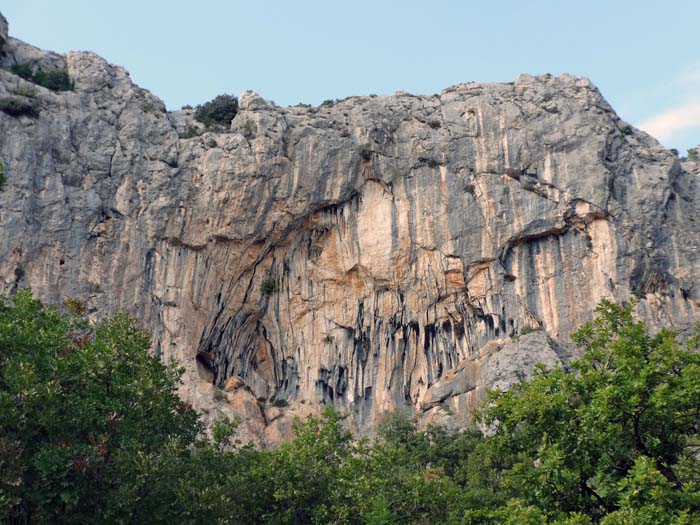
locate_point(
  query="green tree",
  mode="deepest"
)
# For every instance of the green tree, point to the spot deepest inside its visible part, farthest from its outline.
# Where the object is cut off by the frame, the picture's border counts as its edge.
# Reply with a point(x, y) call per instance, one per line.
point(78, 404)
point(411, 473)
point(307, 483)
point(217, 112)
point(610, 438)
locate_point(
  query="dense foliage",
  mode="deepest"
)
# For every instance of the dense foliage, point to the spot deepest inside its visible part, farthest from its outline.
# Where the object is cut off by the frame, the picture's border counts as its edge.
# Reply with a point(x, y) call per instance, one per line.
point(91, 430)
point(55, 79)
point(77, 406)
point(614, 440)
point(268, 286)
point(217, 112)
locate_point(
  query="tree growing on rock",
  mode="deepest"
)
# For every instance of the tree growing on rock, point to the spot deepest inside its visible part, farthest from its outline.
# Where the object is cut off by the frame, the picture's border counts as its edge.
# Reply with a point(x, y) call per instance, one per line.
point(217, 112)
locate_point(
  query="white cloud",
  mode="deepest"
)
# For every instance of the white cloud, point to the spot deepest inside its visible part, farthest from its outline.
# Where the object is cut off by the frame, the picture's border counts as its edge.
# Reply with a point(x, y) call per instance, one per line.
point(667, 123)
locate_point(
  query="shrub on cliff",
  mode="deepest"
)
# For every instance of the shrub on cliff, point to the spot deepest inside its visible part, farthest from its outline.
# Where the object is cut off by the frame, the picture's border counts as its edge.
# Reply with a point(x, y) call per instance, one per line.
point(217, 112)
point(55, 79)
point(23, 70)
point(268, 286)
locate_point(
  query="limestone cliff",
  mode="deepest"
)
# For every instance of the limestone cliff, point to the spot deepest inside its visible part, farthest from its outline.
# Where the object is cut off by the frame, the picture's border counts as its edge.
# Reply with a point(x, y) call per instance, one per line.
point(415, 250)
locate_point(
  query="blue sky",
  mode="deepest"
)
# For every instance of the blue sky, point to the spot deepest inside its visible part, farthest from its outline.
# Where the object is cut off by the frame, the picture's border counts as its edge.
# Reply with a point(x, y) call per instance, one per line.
point(643, 55)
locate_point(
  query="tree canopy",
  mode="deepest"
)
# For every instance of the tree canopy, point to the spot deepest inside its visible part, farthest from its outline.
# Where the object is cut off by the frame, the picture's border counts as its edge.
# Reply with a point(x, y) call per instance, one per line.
point(615, 438)
point(77, 403)
point(219, 111)
point(92, 430)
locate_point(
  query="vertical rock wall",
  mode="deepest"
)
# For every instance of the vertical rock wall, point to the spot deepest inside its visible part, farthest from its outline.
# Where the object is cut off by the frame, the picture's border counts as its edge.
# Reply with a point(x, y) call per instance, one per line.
point(384, 253)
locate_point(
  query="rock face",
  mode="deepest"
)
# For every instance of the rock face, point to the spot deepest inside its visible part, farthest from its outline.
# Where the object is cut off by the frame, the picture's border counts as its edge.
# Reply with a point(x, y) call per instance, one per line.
point(382, 253)
point(3, 31)
point(497, 365)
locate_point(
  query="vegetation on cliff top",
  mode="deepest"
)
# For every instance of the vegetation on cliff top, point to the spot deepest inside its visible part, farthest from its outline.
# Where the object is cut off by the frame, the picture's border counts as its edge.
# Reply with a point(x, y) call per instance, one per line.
point(217, 112)
point(55, 79)
point(92, 430)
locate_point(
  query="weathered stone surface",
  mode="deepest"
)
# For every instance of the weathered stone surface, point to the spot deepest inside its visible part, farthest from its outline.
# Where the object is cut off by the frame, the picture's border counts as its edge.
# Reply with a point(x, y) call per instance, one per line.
point(498, 365)
point(233, 383)
point(3, 31)
point(408, 236)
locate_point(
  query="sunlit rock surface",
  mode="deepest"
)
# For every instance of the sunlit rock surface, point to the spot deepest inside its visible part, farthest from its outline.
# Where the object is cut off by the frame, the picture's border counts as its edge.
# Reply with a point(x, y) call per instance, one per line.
point(410, 239)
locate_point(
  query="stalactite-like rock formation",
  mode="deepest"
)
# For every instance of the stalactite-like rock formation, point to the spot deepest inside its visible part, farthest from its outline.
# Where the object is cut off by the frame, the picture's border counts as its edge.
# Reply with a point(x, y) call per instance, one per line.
point(383, 253)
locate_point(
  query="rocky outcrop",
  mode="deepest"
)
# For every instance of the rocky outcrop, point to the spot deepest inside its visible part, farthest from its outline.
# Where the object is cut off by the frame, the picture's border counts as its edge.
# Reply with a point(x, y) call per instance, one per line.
point(3, 31)
point(405, 242)
point(499, 364)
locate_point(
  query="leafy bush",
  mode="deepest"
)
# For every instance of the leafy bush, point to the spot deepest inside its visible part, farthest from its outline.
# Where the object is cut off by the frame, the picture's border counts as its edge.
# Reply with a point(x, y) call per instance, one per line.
point(527, 329)
point(268, 286)
point(149, 106)
point(217, 112)
point(17, 107)
point(74, 305)
point(3, 179)
point(248, 129)
point(56, 80)
point(78, 405)
point(614, 438)
point(24, 71)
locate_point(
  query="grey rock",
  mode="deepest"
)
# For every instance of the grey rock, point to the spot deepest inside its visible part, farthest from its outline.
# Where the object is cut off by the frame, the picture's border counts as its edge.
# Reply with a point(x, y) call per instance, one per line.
point(497, 366)
point(4, 31)
point(406, 235)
